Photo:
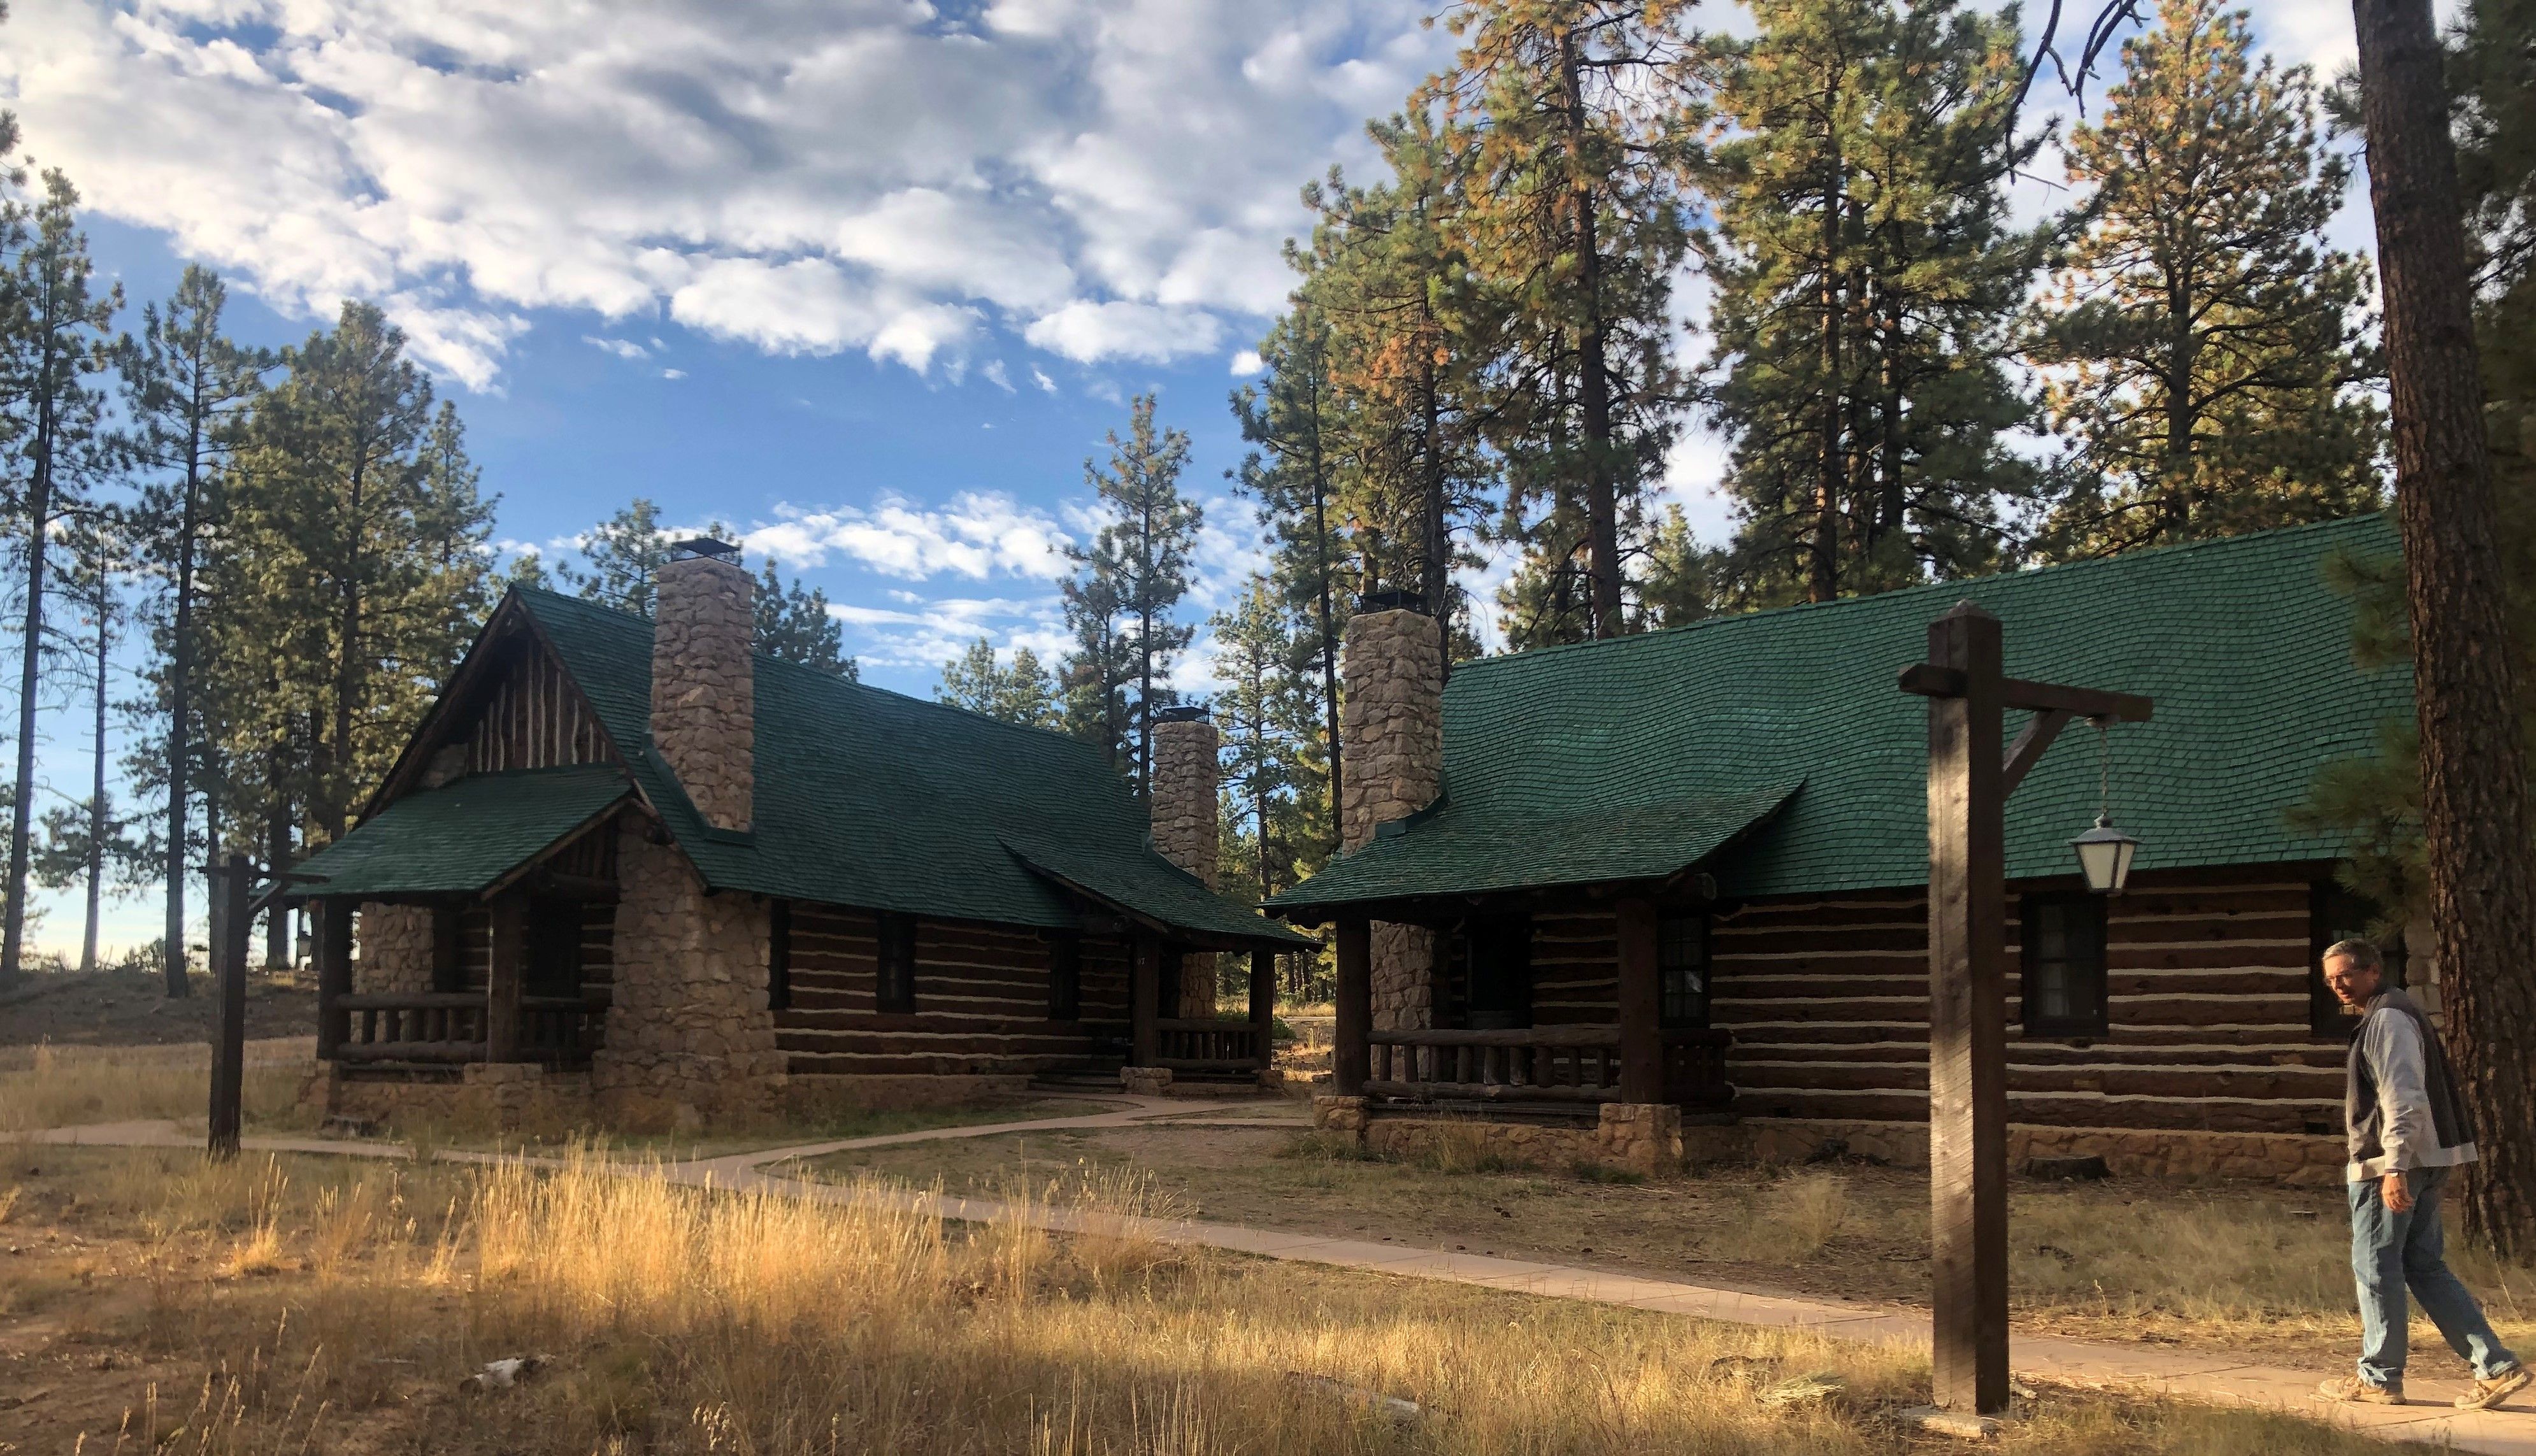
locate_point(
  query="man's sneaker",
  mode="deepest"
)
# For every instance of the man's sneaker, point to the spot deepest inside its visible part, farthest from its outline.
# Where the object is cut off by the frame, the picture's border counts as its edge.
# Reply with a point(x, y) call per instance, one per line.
point(2490, 1393)
point(2353, 1390)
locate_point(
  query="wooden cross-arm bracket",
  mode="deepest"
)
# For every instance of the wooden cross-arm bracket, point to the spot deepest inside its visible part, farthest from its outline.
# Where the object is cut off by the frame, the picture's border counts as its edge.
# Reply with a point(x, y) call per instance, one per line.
point(1932, 681)
point(2028, 749)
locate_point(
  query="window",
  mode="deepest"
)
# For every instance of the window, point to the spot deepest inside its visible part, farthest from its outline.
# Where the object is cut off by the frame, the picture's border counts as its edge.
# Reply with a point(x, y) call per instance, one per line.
point(1499, 956)
point(1681, 970)
point(1065, 978)
point(2336, 913)
point(2064, 941)
point(896, 987)
point(554, 948)
point(779, 956)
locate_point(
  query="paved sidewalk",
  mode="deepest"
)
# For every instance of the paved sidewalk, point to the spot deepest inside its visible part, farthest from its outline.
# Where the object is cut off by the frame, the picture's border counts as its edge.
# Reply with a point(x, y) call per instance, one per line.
point(2183, 1373)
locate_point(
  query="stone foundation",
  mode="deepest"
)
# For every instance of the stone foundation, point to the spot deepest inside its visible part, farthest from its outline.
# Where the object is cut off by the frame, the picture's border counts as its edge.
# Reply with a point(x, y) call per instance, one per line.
point(1144, 1081)
point(689, 1038)
point(1341, 1116)
point(392, 949)
point(510, 1098)
point(1643, 1137)
point(2127, 1152)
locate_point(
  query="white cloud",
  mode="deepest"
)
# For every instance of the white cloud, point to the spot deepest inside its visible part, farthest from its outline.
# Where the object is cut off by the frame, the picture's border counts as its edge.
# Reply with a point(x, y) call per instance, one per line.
point(673, 374)
point(1247, 363)
point(978, 536)
point(1040, 377)
point(1088, 331)
point(996, 375)
point(868, 175)
point(623, 348)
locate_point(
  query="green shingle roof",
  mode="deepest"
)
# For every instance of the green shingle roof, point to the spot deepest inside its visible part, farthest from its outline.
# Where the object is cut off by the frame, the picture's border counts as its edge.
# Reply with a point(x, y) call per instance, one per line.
point(1608, 760)
point(462, 837)
point(870, 798)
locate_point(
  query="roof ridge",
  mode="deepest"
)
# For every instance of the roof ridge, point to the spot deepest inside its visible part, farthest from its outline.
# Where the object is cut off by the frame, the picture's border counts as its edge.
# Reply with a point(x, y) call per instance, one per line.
point(2119, 558)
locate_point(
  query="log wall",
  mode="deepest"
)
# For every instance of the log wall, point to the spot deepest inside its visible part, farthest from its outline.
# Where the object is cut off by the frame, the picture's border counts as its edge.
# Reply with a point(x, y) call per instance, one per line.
point(530, 718)
point(2206, 983)
point(981, 1000)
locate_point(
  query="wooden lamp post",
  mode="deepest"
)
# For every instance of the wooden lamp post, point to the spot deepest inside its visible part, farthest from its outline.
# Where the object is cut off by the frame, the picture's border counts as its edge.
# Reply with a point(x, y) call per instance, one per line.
point(1969, 780)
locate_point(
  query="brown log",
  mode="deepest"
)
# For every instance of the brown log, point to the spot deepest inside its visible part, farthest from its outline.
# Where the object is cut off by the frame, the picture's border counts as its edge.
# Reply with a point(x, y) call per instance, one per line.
point(1353, 1022)
point(417, 1052)
point(1602, 1035)
point(333, 957)
point(1490, 1092)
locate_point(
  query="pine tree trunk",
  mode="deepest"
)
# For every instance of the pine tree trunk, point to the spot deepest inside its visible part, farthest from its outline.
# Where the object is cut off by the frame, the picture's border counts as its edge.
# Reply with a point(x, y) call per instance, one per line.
point(96, 817)
point(180, 722)
point(1822, 577)
point(1593, 384)
point(2476, 827)
point(40, 516)
point(1329, 626)
point(1435, 563)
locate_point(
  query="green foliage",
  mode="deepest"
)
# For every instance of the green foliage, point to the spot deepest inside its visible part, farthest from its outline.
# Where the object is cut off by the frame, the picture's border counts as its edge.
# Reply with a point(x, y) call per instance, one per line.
point(1127, 582)
point(353, 573)
point(2211, 351)
point(1023, 692)
point(620, 557)
point(793, 624)
point(1269, 717)
point(1866, 278)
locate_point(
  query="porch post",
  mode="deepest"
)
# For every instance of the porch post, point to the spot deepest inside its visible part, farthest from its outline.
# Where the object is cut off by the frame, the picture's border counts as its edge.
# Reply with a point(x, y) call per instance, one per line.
point(505, 976)
point(1967, 1020)
point(1144, 990)
point(333, 916)
point(1351, 1058)
point(1641, 1008)
point(1263, 1005)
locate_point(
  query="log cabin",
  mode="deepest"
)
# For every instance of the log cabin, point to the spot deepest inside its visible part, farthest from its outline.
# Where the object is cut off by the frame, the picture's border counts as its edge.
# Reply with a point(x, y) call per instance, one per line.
point(1669, 890)
point(630, 871)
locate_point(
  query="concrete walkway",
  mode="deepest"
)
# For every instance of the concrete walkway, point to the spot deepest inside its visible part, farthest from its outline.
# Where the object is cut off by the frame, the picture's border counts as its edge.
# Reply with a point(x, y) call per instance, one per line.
point(2161, 1372)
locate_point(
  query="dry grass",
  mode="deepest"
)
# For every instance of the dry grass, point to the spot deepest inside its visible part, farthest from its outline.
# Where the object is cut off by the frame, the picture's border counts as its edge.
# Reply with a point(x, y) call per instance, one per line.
point(49, 1085)
point(681, 1320)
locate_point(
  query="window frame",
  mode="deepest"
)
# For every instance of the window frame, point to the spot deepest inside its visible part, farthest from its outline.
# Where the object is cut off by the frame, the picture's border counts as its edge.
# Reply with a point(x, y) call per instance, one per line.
point(1065, 975)
point(1706, 968)
point(894, 963)
point(2030, 956)
point(778, 955)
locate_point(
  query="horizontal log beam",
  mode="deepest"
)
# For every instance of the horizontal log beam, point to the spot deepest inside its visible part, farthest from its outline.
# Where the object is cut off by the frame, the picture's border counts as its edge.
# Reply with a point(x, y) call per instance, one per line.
point(434, 1051)
point(1930, 680)
point(1540, 1036)
point(1491, 1092)
point(412, 1002)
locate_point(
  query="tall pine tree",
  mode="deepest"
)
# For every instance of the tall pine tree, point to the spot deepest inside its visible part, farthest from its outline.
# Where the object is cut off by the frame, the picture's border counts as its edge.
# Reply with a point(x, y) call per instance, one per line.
point(53, 343)
point(186, 391)
point(1134, 573)
point(2209, 353)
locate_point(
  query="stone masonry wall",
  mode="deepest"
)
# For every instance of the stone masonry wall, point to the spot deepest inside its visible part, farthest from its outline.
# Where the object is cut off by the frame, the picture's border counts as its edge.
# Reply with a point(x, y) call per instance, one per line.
point(1393, 736)
point(704, 686)
point(1187, 833)
point(392, 946)
point(689, 1036)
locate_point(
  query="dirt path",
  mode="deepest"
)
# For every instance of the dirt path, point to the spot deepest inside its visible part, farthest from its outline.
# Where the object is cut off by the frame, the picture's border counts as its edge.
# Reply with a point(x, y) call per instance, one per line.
point(2172, 1373)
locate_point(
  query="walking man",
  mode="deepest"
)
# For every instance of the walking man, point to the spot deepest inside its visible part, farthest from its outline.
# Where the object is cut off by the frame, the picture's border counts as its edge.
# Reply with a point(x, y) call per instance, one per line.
point(2408, 1137)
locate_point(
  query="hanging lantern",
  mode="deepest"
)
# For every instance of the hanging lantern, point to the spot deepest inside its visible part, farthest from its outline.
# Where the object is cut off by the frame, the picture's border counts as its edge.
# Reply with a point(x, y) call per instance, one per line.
point(2104, 852)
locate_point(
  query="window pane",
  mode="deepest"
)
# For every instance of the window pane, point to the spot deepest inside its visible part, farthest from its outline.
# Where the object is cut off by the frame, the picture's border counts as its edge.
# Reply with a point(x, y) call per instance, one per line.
point(1681, 970)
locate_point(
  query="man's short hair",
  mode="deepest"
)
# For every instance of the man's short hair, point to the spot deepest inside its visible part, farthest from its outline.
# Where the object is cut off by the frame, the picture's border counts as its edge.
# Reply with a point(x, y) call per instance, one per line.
point(2360, 953)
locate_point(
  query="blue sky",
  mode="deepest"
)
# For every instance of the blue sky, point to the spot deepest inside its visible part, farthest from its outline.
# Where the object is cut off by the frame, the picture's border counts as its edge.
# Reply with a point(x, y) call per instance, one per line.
point(868, 279)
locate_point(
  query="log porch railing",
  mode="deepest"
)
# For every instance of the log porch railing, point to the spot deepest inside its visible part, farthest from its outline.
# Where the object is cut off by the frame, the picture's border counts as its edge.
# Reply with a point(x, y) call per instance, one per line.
point(1539, 1064)
point(454, 1028)
point(1191, 1044)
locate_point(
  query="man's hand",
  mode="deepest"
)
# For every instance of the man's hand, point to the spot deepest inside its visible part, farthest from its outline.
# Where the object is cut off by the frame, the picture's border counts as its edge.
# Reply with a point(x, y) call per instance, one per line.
point(2397, 1193)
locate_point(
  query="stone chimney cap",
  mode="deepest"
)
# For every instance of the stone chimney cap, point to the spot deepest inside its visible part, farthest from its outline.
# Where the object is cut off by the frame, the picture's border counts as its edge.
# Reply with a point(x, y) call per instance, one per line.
point(706, 546)
point(1393, 599)
point(1187, 713)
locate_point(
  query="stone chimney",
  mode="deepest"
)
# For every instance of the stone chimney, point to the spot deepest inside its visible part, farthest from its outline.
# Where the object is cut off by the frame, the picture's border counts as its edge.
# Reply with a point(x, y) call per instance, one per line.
point(1392, 765)
point(704, 683)
point(1184, 807)
point(1183, 797)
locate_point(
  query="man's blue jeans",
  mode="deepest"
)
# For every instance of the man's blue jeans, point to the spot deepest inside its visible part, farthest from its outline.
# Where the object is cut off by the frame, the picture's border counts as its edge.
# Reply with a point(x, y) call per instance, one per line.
point(2392, 1251)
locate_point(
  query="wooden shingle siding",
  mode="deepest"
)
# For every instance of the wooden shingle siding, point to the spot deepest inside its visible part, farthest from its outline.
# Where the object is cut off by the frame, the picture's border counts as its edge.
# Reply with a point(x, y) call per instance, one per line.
point(981, 999)
point(2206, 988)
point(531, 718)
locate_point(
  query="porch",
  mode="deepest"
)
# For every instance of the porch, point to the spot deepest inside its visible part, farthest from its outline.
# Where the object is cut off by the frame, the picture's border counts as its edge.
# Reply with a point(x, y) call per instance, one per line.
point(1566, 1005)
point(1198, 1048)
